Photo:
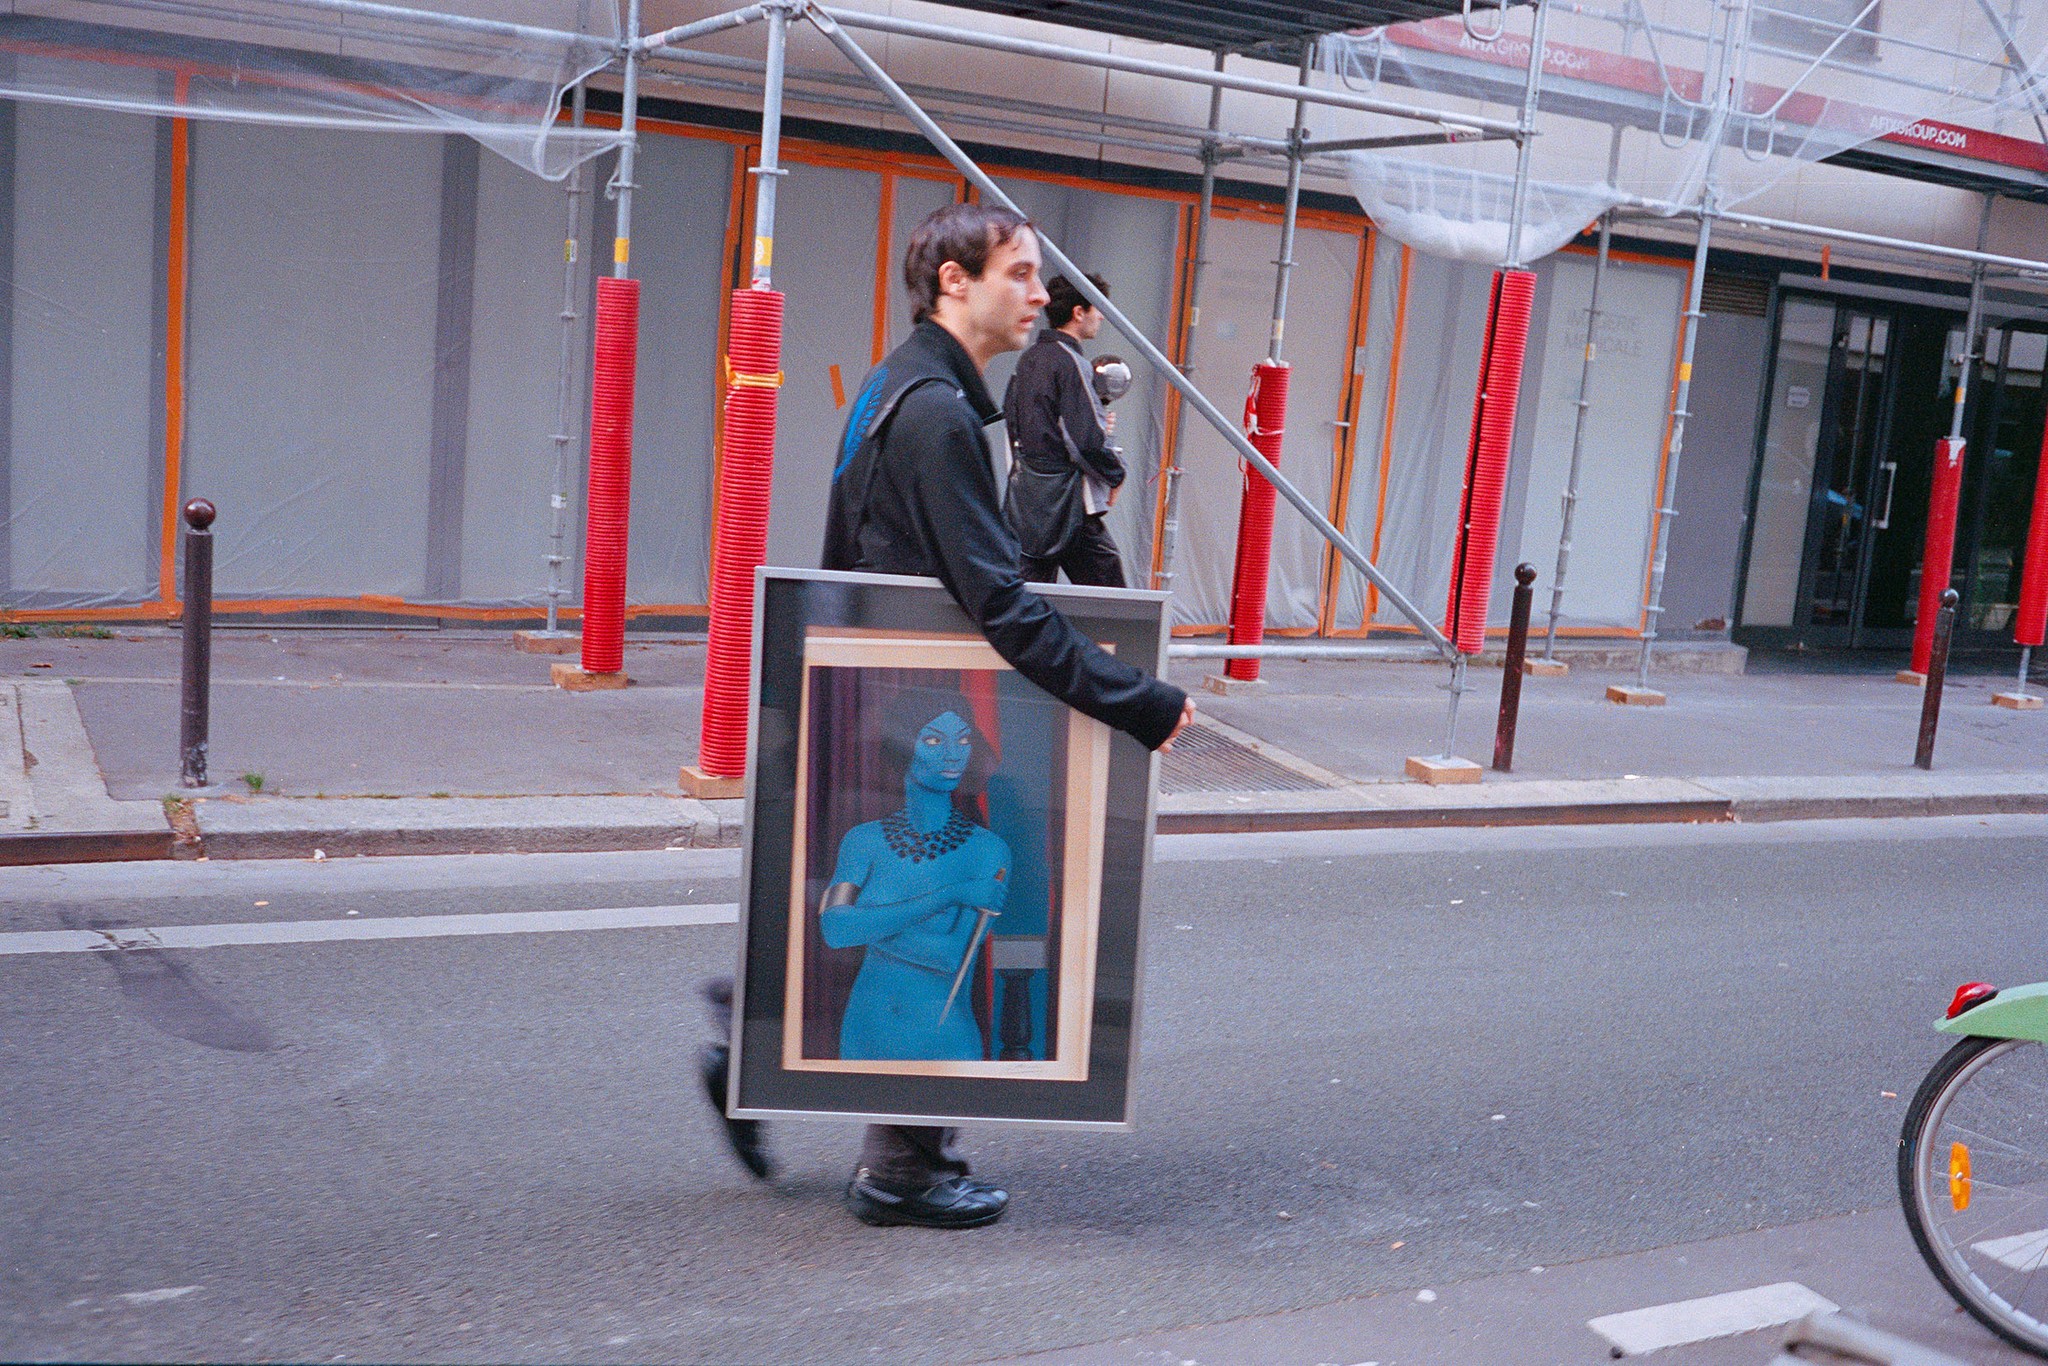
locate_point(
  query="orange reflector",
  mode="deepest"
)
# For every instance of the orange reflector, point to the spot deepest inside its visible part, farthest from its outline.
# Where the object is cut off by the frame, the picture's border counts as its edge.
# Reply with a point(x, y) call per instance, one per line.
point(1959, 1176)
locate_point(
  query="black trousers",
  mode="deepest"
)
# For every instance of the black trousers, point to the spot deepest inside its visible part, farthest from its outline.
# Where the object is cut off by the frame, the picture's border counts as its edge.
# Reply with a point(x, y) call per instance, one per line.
point(1089, 558)
point(913, 1156)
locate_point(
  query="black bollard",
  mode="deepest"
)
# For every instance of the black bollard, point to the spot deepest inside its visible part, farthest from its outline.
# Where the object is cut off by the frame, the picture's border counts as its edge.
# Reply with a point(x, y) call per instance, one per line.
point(197, 681)
point(1937, 674)
point(1511, 679)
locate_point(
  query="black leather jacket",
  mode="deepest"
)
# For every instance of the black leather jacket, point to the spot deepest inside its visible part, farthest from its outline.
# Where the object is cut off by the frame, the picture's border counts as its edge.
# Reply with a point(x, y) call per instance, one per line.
point(914, 492)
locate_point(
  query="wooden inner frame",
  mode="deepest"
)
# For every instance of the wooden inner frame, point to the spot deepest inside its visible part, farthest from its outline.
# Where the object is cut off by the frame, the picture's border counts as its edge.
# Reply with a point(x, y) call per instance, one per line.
point(1080, 880)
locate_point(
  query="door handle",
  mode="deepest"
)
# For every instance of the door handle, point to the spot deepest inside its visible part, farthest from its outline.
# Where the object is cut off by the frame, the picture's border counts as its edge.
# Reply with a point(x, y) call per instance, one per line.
point(1891, 483)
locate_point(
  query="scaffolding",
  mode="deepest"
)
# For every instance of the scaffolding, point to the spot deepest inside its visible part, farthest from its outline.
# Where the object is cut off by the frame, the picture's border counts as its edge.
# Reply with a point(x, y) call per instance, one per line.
point(509, 83)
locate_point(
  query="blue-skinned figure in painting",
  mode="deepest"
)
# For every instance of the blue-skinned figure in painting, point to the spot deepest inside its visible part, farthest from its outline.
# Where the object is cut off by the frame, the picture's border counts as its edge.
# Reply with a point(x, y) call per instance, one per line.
point(918, 889)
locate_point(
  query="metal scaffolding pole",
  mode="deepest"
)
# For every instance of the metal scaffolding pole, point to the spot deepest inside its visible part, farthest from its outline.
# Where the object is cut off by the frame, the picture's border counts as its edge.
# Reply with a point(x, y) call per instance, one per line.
point(1525, 133)
point(1571, 481)
point(770, 171)
point(629, 128)
point(1284, 267)
point(1518, 207)
point(1973, 323)
point(1169, 521)
point(564, 438)
point(1058, 260)
point(1731, 78)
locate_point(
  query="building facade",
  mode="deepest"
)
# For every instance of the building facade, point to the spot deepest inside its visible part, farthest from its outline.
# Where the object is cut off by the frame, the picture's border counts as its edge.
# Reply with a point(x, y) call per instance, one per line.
point(350, 342)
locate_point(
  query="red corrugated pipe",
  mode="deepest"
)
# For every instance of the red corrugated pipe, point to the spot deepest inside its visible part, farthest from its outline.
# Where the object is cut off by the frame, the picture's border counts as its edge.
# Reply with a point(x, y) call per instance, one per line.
point(1265, 423)
point(746, 471)
point(2031, 622)
point(1937, 561)
point(1486, 460)
point(611, 475)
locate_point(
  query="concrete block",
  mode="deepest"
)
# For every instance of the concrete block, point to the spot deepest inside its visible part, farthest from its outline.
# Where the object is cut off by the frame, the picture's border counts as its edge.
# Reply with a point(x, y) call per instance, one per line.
point(1225, 686)
point(1545, 668)
point(541, 643)
point(705, 787)
point(2016, 701)
point(1634, 697)
point(1439, 771)
point(570, 678)
point(1911, 676)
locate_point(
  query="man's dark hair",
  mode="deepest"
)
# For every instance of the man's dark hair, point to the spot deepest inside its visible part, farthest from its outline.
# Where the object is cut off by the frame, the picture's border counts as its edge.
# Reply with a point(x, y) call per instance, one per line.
point(1066, 298)
point(962, 233)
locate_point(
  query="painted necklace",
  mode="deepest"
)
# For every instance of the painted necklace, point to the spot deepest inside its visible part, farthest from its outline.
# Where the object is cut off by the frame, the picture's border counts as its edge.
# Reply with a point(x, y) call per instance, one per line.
point(906, 842)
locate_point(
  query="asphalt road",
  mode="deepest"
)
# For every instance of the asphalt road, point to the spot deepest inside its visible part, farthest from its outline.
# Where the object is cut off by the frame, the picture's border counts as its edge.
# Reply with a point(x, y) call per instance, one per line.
point(1494, 1049)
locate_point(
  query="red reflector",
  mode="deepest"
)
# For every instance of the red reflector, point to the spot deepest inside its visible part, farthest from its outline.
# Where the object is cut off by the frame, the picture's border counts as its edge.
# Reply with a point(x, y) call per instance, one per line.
point(1969, 996)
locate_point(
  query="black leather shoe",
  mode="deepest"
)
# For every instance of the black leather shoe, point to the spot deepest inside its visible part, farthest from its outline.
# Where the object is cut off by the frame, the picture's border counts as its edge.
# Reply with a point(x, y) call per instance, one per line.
point(956, 1202)
point(748, 1137)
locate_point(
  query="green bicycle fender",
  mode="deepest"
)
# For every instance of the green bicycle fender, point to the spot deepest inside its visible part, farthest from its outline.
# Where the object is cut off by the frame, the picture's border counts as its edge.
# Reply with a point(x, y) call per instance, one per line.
point(2021, 1013)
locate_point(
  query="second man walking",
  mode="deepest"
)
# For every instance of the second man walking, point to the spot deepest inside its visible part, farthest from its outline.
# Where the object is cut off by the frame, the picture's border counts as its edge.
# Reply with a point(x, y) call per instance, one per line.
point(1064, 473)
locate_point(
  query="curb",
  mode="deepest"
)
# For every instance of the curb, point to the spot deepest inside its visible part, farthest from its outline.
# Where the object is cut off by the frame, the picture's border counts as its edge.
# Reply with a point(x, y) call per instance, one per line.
point(1702, 812)
point(285, 828)
point(301, 827)
point(83, 846)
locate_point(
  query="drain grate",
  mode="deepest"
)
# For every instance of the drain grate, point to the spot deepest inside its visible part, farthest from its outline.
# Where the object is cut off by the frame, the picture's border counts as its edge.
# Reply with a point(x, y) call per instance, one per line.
point(1212, 758)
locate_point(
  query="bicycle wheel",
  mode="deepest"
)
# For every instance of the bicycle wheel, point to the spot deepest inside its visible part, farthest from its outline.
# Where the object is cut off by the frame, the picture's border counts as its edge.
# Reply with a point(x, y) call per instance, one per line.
point(1973, 1181)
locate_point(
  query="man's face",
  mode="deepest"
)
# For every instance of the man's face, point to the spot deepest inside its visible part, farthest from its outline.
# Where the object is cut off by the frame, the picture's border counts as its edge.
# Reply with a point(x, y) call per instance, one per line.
point(999, 310)
point(1087, 322)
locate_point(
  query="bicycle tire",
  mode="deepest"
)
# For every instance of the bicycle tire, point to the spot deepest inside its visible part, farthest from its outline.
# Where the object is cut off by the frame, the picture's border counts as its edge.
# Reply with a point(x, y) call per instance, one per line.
point(1945, 1082)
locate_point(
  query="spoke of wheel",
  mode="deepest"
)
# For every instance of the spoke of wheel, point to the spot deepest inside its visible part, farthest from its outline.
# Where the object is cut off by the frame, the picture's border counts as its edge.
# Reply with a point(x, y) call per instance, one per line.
point(2001, 1092)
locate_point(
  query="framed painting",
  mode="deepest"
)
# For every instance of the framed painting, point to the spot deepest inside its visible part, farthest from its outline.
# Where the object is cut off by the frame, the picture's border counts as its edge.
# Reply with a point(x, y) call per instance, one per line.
point(945, 866)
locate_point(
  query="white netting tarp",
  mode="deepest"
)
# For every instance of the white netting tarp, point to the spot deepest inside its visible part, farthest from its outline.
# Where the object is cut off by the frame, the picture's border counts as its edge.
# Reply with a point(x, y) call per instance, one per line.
point(1455, 212)
point(493, 71)
point(1648, 101)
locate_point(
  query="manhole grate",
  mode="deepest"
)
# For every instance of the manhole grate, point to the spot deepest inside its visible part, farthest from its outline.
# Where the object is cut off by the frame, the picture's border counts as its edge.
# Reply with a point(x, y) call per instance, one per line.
point(1206, 758)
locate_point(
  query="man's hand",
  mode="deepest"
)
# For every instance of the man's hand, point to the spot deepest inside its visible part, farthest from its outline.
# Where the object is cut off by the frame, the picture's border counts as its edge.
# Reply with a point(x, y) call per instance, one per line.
point(1187, 718)
point(1108, 423)
point(1113, 493)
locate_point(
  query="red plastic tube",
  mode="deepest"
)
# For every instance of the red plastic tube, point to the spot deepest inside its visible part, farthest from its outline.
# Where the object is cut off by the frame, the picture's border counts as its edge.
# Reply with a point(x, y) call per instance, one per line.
point(1265, 423)
point(746, 473)
point(611, 475)
point(1486, 459)
point(1937, 561)
point(2031, 623)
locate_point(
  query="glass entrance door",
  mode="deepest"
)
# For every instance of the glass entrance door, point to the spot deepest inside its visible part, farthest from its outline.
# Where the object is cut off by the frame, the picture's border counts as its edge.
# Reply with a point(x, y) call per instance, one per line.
point(1848, 472)
point(1860, 394)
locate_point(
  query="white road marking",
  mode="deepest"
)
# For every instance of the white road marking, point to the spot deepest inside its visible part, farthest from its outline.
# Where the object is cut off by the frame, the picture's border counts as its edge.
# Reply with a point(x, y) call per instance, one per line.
point(2021, 1252)
point(169, 1292)
point(369, 927)
point(1640, 1331)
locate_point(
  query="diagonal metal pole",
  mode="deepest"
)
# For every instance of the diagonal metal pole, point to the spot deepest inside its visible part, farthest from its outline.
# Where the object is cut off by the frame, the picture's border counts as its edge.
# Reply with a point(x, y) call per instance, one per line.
point(993, 194)
point(1585, 402)
point(1169, 523)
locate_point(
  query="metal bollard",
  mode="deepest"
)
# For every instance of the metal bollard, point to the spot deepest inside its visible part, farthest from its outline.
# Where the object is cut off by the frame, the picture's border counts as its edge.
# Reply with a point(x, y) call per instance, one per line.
point(197, 676)
point(1937, 674)
point(1511, 678)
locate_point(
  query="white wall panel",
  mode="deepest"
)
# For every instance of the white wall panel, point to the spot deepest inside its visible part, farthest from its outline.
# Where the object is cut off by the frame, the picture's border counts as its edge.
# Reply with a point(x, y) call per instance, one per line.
point(310, 380)
point(80, 502)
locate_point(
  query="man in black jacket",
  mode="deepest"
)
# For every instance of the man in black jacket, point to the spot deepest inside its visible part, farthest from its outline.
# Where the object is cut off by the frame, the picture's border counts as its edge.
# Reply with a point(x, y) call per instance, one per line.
point(915, 491)
point(1066, 473)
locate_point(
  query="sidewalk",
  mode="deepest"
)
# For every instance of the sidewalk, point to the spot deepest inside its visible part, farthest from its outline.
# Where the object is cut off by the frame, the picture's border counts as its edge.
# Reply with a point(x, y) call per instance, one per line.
point(385, 741)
